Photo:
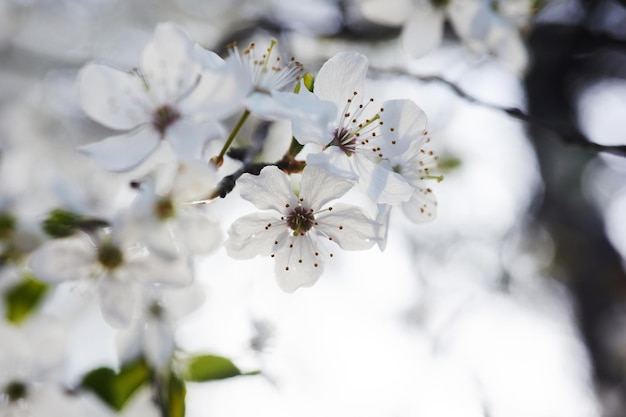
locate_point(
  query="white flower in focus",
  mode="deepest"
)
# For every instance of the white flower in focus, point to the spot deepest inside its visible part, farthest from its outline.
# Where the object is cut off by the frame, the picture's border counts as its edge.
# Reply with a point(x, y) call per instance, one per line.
point(296, 234)
point(269, 75)
point(175, 96)
point(360, 137)
point(118, 269)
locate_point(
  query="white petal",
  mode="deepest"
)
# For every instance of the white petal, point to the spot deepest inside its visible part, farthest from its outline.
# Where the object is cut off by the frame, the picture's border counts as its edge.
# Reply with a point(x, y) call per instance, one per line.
point(340, 77)
point(387, 12)
point(63, 260)
point(297, 264)
point(114, 98)
point(118, 297)
point(189, 138)
point(334, 161)
point(423, 30)
point(159, 343)
point(208, 59)
point(311, 117)
point(422, 207)
point(382, 219)
point(348, 227)
point(123, 152)
point(219, 93)
point(470, 19)
point(250, 235)
point(380, 183)
point(318, 187)
point(268, 190)
point(199, 234)
point(161, 239)
point(404, 122)
point(156, 270)
point(168, 65)
point(194, 180)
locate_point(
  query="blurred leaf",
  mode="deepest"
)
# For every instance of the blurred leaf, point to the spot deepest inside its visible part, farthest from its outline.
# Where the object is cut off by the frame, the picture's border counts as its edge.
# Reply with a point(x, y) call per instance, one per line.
point(7, 225)
point(450, 163)
point(116, 388)
point(177, 392)
point(23, 298)
point(208, 368)
point(61, 223)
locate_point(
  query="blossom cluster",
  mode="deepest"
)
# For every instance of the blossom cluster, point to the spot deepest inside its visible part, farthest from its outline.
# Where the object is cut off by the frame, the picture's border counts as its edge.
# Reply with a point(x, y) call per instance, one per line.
point(168, 116)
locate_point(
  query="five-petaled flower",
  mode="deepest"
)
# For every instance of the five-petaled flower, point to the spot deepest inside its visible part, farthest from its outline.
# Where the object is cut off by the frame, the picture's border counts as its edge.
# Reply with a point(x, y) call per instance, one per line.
point(297, 233)
point(178, 95)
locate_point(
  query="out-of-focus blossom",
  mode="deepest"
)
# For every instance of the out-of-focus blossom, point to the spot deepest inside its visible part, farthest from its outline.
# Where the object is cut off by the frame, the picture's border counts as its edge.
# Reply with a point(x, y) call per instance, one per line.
point(119, 269)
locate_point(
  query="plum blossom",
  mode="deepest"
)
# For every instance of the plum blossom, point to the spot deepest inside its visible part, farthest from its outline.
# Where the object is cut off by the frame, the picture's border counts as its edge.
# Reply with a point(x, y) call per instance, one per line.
point(423, 20)
point(161, 218)
point(296, 233)
point(360, 138)
point(118, 269)
point(175, 96)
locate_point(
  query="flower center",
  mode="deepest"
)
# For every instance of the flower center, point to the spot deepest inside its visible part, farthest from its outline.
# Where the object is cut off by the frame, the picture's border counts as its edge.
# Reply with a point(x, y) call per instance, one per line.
point(15, 391)
point(110, 256)
point(164, 208)
point(164, 116)
point(344, 140)
point(300, 221)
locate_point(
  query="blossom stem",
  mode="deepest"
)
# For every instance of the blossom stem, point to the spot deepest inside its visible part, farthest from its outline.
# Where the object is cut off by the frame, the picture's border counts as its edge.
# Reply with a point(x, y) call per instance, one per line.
point(219, 159)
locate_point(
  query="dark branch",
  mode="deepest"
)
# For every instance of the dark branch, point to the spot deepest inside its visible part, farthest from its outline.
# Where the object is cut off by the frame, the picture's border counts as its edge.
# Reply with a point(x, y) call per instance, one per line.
point(567, 134)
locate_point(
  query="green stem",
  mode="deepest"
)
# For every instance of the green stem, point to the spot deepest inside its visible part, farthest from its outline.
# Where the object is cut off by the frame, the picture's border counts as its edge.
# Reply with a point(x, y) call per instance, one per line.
point(219, 159)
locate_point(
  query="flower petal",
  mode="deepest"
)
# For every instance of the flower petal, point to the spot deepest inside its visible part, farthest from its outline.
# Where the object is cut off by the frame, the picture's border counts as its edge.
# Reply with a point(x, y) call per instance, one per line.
point(268, 190)
point(403, 123)
point(297, 264)
point(114, 98)
point(123, 152)
point(250, 235)
point(318, 187)
point(219, 93)
point(199, 234)
point(61, 260)
point(387, 12)
point(168, 65)
point(348, 226)
point(334, 161)
point(188, 138)
point(118, 298)
point(340, 77)
point(380, 183)
point(423, 30)
point(422, 207)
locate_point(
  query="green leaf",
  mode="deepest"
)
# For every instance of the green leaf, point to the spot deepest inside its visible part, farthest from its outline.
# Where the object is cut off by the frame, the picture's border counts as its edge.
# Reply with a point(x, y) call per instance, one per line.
point(61, 223)
point(176, 397)
point(23, 298)
point(7, 225)
point(116, 388)
point(209, 368)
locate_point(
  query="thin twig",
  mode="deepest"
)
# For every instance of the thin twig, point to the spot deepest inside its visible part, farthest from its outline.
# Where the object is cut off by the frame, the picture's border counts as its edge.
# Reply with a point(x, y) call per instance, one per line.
point(567, 134)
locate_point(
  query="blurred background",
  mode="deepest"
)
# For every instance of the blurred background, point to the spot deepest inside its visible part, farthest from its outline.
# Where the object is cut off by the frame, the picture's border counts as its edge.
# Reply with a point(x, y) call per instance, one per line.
point(511, 303)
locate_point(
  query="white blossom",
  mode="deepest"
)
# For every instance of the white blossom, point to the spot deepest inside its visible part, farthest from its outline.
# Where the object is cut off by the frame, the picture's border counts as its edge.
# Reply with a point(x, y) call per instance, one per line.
point(360, 137)
point(174, 96)
point(118, 269)
point(301, 224)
